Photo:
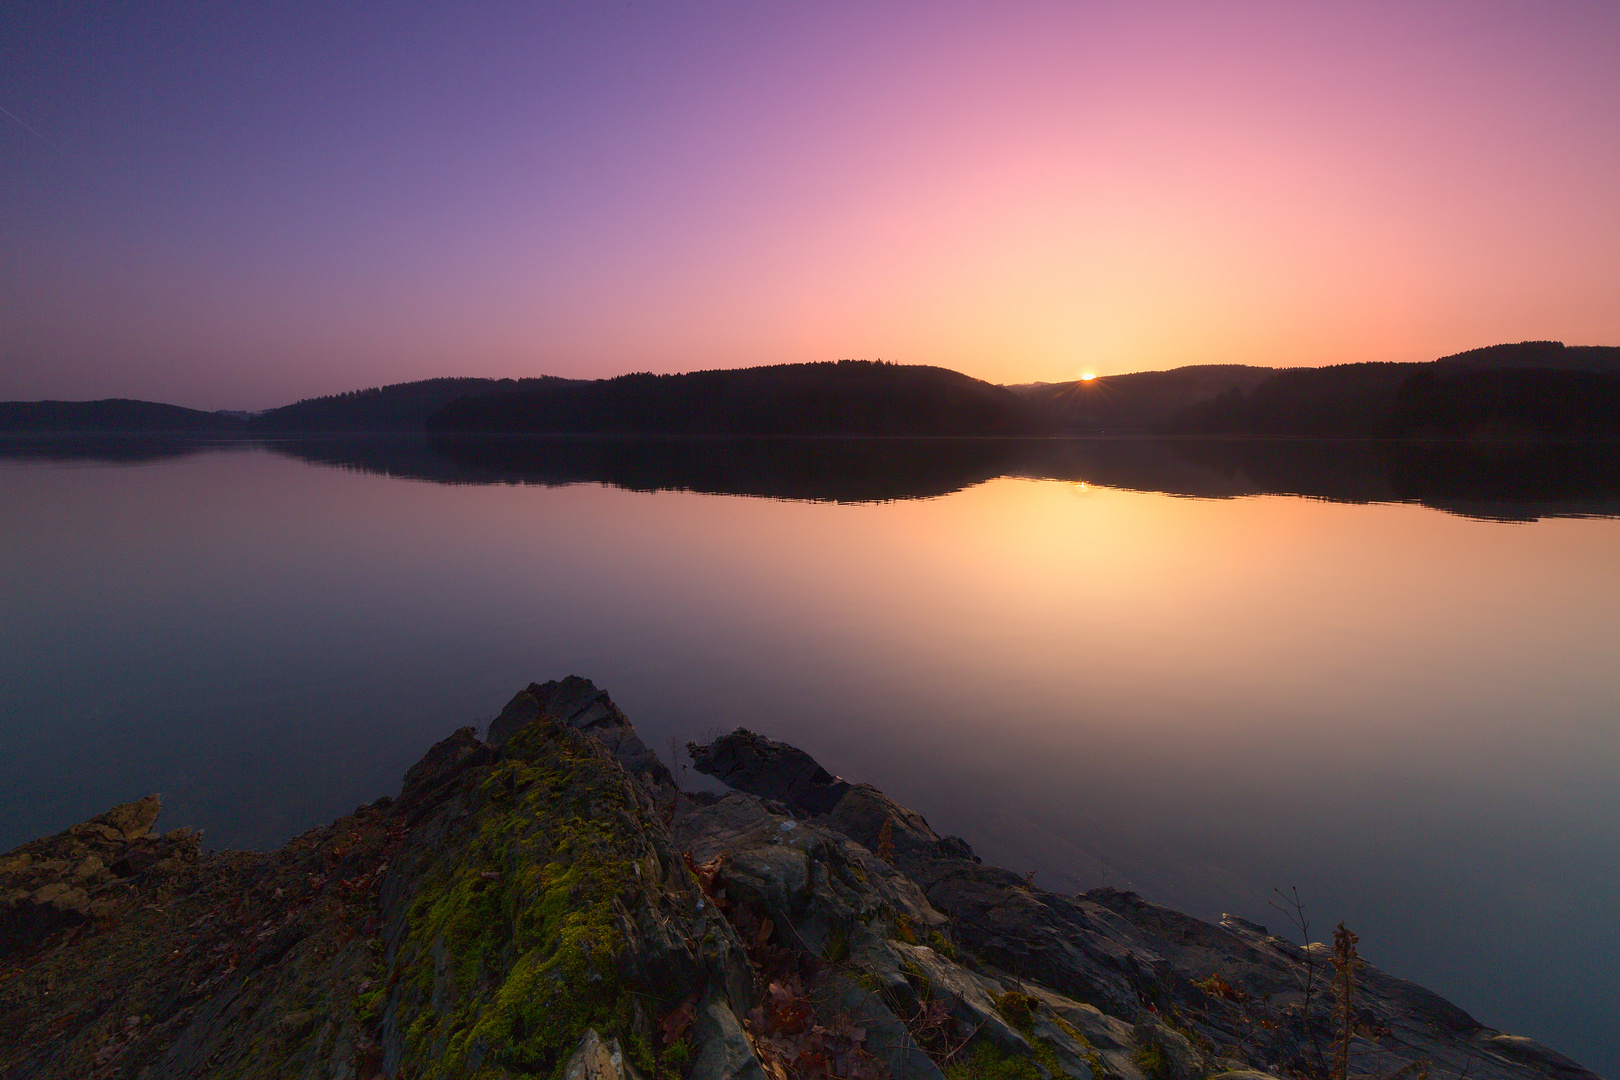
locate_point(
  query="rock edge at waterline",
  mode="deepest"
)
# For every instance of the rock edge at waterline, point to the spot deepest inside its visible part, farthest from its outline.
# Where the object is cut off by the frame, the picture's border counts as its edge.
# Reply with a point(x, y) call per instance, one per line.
point(546, 902)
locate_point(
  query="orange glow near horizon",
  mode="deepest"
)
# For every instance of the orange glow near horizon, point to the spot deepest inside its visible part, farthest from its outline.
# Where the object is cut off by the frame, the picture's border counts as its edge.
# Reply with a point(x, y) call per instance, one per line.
point(991, 190)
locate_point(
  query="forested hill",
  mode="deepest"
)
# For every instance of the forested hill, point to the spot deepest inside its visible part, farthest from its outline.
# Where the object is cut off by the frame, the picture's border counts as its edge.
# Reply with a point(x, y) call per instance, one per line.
point(111, 414)
point(1554, 355)
point(1441, 399)
point(1534, 388)
point(849, 397)
point(1140, 401)
point(1530, 388)
point(398, 407)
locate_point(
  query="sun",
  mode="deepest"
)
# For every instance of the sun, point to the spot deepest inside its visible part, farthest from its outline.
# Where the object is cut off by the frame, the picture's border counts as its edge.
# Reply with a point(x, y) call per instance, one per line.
point(1088, 376)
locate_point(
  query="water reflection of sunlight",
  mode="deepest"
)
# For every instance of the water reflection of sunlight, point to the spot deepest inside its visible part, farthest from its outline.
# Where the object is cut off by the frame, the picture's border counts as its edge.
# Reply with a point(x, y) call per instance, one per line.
point(1205, 695)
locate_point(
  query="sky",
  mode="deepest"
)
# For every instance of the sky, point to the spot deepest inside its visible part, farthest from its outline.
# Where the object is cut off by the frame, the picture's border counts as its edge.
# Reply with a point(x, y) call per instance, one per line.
point(236, 206)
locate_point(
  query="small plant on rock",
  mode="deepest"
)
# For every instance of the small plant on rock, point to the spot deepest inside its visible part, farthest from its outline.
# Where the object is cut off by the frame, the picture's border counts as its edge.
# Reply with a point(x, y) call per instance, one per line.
point(1346, 963)
point(1018, 1009)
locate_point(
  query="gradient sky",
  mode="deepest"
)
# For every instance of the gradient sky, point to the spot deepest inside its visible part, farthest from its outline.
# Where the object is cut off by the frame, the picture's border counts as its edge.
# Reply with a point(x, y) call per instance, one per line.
point(234, 206)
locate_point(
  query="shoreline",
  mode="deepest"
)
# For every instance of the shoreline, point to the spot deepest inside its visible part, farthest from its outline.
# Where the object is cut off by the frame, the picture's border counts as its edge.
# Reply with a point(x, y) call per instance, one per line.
point(546, 901)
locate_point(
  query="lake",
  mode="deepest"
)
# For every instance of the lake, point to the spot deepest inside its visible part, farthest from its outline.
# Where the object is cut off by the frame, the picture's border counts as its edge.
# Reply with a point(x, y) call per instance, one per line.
point(1389, 675)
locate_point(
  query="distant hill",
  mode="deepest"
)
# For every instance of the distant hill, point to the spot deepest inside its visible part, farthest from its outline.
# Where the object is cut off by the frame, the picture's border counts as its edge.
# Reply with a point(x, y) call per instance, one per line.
point(1341, 400)
point(111, 414)
point(1338, 401)
point(1477, 395)
point(1509, 403)
point(849, 397)
point(399, 407)
point(1540, 354)
point(1141, 401)
point(1531, 388)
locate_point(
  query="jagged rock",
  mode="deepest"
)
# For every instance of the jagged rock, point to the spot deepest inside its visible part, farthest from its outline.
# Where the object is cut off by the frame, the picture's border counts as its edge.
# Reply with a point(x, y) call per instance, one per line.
point(598, 1060)
point(816, 885)
point(443, 762)
point(577, 703)
point(1108, 964)
point(133, 820)
point(887, 1038)
point(728, 1053)
point(782, 773)
point(971, 998)
point(544, 904)
point(769, 769)
point(1530, 1052)
point(1173, 1055)
point(85, 873)
point(522, 709)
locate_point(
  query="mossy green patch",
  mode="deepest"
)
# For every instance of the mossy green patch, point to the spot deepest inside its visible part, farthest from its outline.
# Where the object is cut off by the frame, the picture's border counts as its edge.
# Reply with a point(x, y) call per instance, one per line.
point(1089, 1054)
point(1070, 1030)
point(508, 955)
point(989, 1062)
point(1018, 1009)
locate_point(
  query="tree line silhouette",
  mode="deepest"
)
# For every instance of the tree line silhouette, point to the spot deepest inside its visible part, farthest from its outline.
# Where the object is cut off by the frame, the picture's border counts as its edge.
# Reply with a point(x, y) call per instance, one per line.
point(846, 397)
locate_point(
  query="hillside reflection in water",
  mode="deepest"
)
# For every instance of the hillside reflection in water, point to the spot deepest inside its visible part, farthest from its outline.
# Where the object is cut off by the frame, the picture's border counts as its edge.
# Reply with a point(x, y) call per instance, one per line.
point(1409, 714)
point(1502, 480)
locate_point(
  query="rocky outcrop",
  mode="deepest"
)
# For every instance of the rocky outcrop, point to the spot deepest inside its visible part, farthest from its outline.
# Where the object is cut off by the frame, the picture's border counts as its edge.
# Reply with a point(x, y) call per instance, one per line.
point(85, 873)
point(1166, 990)
point(544, 902)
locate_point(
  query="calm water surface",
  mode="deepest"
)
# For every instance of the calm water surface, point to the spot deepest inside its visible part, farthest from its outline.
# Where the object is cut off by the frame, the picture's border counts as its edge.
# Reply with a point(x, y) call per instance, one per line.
point(1411, 714)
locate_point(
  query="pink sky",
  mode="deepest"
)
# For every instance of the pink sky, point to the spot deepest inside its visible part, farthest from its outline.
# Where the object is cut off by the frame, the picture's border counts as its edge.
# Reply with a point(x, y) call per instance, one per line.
point(240, 212)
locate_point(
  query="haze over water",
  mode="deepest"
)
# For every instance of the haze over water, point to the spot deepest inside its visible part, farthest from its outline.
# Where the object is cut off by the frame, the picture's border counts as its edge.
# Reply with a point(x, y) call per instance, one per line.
point(1407, 713)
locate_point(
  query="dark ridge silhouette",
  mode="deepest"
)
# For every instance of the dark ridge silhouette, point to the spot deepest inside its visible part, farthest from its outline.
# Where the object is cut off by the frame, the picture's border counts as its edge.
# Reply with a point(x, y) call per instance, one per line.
point(1517, 481)
point(849, 397)
point(1344, 400)
point(1403, 401)
point(1540, 354)
point(862, 398)
point(110, 414)
point(1355, 400)
point(1141, 401)
point(399, 407)
point(1509, 403)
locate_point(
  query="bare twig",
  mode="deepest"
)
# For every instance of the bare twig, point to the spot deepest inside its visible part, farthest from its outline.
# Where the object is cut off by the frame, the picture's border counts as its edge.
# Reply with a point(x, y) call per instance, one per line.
point(1293, 909)
point(1345, 964)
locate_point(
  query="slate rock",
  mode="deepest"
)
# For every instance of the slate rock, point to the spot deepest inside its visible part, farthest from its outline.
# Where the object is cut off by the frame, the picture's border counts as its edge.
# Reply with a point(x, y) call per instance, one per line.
point(1528, 1051)
point(444, 761)
point(80, 874)
point(578, 703)
point(727, 1053)
point(887, 1038)
point(357, 949)
point(769, 769)
point(782, 773)
point(598, 1060)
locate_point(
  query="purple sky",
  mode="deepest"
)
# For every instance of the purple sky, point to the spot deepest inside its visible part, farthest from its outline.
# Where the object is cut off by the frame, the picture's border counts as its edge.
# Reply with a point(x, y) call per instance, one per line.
point(237, 208)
